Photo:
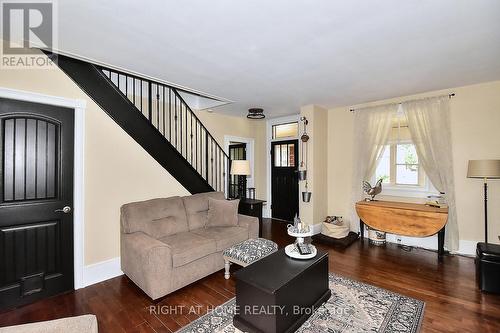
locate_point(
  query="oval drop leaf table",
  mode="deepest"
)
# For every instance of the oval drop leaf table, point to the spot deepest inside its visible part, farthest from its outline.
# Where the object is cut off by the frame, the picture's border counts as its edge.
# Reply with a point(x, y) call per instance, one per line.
point(403, 218)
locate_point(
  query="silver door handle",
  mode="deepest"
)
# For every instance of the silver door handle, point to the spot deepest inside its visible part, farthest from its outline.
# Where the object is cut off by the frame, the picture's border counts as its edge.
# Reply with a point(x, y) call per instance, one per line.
point(65, 210)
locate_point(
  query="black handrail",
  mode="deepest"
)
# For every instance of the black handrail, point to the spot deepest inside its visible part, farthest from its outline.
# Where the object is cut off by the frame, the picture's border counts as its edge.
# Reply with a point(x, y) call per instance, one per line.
point(175, 124)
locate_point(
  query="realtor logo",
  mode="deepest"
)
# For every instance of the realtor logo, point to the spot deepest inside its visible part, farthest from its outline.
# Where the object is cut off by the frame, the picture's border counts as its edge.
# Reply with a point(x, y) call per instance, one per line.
point(27, 26)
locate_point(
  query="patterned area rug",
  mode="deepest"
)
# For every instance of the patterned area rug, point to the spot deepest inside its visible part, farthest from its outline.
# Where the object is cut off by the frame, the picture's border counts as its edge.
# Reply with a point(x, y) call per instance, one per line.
point(354, 307)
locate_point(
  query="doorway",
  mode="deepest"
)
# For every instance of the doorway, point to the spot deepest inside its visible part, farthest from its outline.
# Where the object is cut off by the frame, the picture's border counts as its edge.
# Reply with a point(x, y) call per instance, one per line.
point(284, 179)
point(237, 151)
point(36, 201)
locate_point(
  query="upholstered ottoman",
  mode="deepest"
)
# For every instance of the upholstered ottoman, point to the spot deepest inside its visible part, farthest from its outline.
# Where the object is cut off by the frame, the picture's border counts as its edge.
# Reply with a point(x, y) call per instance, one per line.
point(247, 252)
point(488, 267)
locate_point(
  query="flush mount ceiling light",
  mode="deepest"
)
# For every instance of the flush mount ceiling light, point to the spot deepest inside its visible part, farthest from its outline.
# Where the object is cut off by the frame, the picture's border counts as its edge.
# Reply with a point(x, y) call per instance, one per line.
point(255, 113)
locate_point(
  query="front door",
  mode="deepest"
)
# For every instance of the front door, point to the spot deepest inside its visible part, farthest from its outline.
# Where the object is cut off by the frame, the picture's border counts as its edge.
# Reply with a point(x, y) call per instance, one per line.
point(284, 180)
point(36, 200)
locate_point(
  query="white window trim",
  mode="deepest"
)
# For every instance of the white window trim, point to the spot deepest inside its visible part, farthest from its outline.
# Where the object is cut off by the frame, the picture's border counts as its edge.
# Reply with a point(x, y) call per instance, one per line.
point(78, 106)
point(269, 135)
point(409, 190)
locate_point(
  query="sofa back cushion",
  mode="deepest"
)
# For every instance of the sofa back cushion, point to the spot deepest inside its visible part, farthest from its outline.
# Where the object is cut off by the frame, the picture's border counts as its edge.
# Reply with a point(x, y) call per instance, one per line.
point(197, 208)
point(157, 217)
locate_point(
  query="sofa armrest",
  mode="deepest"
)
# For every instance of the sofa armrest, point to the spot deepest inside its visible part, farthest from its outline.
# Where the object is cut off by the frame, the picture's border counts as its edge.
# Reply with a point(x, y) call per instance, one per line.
point(251, 223)
point(147, 262)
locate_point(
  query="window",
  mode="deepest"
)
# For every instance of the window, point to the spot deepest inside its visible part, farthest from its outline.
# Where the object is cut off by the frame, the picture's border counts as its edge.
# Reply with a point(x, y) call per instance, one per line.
point(289, 130)
point(407, 172)
point(284, 155)
point(399, 165)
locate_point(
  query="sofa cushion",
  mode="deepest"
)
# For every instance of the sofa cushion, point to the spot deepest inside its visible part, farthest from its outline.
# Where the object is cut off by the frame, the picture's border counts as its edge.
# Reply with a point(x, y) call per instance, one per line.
point(222, 213)
point(187, 247)
point(197, 208)
point(223, 236)
point(82, 324)
point(164, 226)
point(164, 215)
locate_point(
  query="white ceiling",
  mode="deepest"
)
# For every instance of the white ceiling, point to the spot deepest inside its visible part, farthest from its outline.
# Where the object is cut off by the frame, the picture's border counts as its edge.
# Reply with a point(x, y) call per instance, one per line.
point(281, 54)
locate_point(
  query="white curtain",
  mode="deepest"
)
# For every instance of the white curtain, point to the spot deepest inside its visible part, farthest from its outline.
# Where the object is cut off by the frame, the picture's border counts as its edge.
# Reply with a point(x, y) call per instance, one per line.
point(372, 127)
point(429, 125)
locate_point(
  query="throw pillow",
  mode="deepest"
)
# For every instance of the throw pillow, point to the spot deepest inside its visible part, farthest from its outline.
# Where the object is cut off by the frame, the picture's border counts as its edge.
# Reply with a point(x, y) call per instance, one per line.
point(222, 213)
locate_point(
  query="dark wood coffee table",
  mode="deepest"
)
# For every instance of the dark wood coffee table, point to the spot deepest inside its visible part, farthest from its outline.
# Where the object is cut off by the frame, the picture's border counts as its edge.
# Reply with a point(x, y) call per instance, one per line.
point(278, 293)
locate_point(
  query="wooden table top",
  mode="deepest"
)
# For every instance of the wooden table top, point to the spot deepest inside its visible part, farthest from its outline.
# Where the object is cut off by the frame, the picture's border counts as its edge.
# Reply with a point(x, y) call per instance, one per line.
point(404, 205)
point(402, 218)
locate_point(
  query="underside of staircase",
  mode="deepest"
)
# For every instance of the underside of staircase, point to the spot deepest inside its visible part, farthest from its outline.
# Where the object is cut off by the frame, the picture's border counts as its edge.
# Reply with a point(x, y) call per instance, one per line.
point(156, 117)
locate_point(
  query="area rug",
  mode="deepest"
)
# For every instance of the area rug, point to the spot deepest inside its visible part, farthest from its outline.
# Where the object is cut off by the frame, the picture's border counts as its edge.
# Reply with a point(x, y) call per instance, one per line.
point(354, 307)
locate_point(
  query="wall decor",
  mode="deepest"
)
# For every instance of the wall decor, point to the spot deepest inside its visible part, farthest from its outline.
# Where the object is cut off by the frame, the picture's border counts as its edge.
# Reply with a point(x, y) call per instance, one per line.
point(304, 138)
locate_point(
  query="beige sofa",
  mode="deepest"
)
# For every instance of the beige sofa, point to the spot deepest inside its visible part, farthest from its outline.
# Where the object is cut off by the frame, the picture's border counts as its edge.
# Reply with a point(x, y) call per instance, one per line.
point(166, 244)
point(80, 324)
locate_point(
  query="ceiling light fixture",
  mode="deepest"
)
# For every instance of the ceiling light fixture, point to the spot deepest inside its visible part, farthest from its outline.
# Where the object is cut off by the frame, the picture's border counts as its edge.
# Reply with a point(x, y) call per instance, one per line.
point(255, 113)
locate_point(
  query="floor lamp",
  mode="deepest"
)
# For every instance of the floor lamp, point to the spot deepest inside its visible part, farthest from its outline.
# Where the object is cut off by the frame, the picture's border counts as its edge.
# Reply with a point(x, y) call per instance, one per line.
point(241, 168)
point(484, 169)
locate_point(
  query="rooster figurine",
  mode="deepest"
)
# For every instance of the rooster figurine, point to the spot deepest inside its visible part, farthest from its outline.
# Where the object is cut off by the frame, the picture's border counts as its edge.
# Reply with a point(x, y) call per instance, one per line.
point(372, 191)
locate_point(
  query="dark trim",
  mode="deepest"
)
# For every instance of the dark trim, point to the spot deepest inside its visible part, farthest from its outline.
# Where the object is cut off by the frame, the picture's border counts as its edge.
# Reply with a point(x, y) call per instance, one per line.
point(91, 80)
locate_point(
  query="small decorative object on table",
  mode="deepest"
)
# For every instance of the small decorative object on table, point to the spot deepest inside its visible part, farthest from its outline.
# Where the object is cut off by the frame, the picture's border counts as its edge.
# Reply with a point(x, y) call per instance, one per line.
point(372, 191)
point(300, 250)
point(437, 201)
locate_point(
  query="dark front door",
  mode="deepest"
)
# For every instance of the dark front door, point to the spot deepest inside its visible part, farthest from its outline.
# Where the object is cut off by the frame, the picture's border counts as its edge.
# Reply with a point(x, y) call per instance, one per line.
point(236, 152)
point(36, 183)
point(284, 181)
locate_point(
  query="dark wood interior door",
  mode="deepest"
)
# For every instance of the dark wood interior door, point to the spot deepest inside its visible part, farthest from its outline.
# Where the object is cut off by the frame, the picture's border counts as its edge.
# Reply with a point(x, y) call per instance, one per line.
point(284, 179)
point(36, 200)
point(236, 152)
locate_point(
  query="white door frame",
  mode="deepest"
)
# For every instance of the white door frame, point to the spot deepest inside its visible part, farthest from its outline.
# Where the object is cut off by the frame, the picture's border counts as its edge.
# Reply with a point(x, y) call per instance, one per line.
point(269, 138)
point(250, 142)
point(79, 106)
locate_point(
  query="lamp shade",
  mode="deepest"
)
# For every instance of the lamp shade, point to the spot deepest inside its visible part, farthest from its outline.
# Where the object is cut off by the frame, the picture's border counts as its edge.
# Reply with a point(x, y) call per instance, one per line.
point(484, 169)
point(240, 167)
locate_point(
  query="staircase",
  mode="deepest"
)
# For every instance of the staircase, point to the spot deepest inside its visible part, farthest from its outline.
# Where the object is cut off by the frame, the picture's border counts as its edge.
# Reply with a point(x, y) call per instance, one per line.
point(155, 116)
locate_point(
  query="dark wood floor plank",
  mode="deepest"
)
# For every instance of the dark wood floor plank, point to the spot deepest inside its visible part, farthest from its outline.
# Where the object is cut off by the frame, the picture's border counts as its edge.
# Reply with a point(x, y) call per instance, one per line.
point(453, 302)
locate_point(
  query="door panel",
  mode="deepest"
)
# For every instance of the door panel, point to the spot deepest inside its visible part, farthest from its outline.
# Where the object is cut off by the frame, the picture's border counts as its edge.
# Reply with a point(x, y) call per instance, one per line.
point(284, 181)
point(36, 241)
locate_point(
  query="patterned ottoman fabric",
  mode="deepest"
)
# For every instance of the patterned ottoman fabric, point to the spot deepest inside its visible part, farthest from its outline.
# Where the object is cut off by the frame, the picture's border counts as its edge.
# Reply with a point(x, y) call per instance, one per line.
point(248, 252)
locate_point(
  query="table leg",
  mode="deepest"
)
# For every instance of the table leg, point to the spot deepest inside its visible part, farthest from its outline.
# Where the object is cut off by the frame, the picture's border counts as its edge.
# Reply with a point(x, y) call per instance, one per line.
point(226, 269)
point(441, 243)
point(361, 229)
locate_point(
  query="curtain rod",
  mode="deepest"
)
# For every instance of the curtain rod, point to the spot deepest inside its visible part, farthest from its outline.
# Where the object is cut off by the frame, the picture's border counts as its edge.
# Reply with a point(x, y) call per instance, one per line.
point(411, 100)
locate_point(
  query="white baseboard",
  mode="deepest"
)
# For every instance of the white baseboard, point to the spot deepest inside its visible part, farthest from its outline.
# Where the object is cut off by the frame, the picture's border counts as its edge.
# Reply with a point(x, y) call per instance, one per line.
point(316, 228)
point(101, 271)
point(466, 247)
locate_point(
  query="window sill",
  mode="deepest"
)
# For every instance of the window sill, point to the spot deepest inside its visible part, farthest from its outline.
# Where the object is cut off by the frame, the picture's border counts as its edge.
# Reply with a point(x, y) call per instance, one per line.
point(407, 191)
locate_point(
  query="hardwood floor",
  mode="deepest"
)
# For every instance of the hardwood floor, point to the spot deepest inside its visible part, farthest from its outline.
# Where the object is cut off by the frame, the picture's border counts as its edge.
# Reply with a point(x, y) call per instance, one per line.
point(453, 303)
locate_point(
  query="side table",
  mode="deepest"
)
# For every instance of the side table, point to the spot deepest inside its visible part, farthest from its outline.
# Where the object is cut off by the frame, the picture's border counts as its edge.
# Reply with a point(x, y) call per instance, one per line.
point(252, 207)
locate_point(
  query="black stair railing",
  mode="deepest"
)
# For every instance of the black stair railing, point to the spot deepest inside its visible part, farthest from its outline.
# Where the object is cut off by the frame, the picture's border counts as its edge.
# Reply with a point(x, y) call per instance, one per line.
point(171, 116)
